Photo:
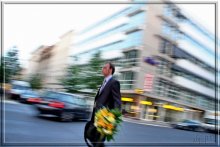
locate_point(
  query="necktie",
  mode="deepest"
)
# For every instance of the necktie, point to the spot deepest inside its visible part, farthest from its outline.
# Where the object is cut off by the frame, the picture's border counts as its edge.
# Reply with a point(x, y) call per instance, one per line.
point(103, 85)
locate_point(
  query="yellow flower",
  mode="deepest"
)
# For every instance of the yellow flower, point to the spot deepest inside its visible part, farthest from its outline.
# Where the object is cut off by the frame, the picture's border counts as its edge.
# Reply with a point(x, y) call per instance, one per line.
point(95, 124)
point(98, 115)
point(106, 122)
point(101, 123)
point(109, 132)
point(111, 119)
point(104, 112)
point(110, 126)
point(111, 115)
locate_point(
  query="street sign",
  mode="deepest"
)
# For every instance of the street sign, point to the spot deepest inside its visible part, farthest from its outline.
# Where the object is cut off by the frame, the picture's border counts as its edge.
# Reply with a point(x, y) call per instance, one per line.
point(148, 82)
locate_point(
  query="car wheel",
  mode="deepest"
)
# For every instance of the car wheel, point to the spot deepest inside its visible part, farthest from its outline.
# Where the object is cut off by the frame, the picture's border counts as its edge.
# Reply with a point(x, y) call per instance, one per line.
point(66, 116)
point(199, 129)
point(22, 101)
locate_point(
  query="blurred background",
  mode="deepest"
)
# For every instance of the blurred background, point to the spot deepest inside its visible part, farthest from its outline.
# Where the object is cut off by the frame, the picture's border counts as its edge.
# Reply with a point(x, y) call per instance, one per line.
point(166, 61)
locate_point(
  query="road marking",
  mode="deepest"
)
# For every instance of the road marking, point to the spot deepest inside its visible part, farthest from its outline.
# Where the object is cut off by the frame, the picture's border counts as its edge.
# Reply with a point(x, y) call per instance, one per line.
point(146, 123)
point(10, 102)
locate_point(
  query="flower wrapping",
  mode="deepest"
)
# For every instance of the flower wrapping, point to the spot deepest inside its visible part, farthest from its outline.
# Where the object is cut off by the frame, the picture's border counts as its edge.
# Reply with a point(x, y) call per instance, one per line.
point(107, 121)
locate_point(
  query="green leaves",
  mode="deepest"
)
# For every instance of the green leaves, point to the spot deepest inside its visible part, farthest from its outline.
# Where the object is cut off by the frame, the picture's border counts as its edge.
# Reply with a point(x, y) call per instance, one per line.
point(87, 76)
point(74, 79)
point(116, 112)
point(109, 138)
point(10, 66)
point(35, 81)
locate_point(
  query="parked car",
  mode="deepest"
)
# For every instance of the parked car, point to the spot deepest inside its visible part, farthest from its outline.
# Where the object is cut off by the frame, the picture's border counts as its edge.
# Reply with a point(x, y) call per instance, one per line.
point(30, 97)
point(192, 125)
point(18, 87)
point(212, 121)
point(64, 105)
point(212, 125)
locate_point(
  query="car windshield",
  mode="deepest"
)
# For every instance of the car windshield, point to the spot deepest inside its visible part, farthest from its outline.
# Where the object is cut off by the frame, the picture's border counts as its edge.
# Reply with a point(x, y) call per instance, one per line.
point(191, 121)
point(29, 92)
point(211, 121)
point(55, 95)
point(20, 87)
point(79, 101)
point(65, 98)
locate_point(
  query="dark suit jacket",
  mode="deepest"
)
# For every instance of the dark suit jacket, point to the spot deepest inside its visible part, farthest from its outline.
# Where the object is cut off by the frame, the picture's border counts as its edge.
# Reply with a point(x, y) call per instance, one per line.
point(110, 97)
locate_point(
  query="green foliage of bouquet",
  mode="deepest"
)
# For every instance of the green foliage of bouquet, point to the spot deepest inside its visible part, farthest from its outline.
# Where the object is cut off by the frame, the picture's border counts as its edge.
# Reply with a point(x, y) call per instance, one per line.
point(107, 121)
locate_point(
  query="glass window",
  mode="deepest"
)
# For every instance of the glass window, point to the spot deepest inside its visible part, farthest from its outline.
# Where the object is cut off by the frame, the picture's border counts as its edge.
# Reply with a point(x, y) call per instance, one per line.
point(131, 54)
point(194, 78)
point(170, 31)
point(79, 101)
point(127, 80)
point(134, 21)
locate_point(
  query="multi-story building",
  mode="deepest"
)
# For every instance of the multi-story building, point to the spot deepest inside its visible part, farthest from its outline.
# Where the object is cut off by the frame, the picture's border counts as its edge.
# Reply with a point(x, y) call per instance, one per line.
point(51, 62)
point(165, 61)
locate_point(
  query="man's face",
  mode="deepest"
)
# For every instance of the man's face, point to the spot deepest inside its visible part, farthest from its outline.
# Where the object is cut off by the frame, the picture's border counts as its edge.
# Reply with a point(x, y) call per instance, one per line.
point(106, 71)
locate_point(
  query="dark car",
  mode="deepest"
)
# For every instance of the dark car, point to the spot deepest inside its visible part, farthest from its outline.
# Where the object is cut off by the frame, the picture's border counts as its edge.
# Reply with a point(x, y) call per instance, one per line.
point(30, 97)
point(64, 105)
point(211, 125)
point(192, 125)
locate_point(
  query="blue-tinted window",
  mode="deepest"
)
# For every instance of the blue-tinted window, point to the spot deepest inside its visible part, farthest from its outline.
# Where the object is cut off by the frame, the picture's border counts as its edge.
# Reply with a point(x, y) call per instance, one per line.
point(134, 21)
point(199, 46)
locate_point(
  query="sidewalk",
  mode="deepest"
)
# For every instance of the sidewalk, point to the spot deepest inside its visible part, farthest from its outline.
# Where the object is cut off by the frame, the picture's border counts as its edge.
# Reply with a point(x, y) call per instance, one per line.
point(147, 122)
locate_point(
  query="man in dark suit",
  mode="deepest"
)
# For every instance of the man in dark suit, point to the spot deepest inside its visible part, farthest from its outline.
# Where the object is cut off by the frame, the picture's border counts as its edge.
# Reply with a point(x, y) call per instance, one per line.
point(108, 94)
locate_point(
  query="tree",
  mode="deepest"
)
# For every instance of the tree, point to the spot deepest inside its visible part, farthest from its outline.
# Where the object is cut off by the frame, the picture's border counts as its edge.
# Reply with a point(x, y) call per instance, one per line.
point(81, 77)
point(10, 65)
point(74, 80)
point(94, 77)
point(35, 81)
point(2, 70)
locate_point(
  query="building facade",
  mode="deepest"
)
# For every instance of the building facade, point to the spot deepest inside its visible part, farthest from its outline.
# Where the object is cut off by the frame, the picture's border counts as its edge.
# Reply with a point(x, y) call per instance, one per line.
point(165, 61)
point(51, 62)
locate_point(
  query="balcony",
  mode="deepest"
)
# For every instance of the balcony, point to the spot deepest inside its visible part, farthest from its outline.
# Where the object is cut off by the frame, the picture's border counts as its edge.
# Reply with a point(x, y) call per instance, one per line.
point(99, 43)
point(98, 30)
point(168, 91)
point(198, 36)
point(136, 11)
point(134, 29)
point(129, 63)
point(127, 84)
point(169, 20)
point(193, 86)
point(189, 66)
point(196, 52)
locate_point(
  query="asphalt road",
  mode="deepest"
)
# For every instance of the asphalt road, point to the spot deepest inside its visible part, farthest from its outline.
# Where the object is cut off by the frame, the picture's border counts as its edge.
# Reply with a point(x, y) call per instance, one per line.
point(22, 127)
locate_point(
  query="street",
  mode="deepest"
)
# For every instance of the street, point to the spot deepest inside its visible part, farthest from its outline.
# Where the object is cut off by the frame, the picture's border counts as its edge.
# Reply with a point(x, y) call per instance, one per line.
point(22, 126)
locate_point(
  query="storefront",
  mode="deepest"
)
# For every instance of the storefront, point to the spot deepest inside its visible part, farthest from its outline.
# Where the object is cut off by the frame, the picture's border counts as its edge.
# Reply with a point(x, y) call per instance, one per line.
point(146, 108)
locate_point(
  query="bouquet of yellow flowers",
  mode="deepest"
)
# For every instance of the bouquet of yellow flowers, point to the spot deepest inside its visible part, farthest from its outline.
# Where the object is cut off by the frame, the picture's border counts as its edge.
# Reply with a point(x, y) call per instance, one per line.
point(106, 122)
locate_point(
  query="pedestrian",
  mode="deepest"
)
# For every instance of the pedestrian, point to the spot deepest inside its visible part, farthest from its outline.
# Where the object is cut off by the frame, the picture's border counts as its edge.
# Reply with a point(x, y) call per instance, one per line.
point(108, 95)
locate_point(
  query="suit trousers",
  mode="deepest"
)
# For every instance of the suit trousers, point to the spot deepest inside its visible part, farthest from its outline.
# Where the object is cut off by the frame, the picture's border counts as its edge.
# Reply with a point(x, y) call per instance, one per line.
point(99, 143)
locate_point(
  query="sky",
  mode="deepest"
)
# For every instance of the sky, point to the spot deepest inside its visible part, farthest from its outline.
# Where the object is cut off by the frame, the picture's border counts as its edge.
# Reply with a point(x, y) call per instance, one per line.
point(28, 26)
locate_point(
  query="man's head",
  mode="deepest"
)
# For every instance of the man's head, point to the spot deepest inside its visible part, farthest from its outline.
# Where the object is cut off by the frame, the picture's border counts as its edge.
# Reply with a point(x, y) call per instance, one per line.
point(108, 69)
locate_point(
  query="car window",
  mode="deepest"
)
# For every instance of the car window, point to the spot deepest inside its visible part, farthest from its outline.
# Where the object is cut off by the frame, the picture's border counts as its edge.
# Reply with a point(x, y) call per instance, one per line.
point(211, 121)
point(20, 87)
point(30, 92)
point(59, 96)
point(190, 121)
point(186, 121)
point(51, 95)
point(66, 98)
point(80, 101)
